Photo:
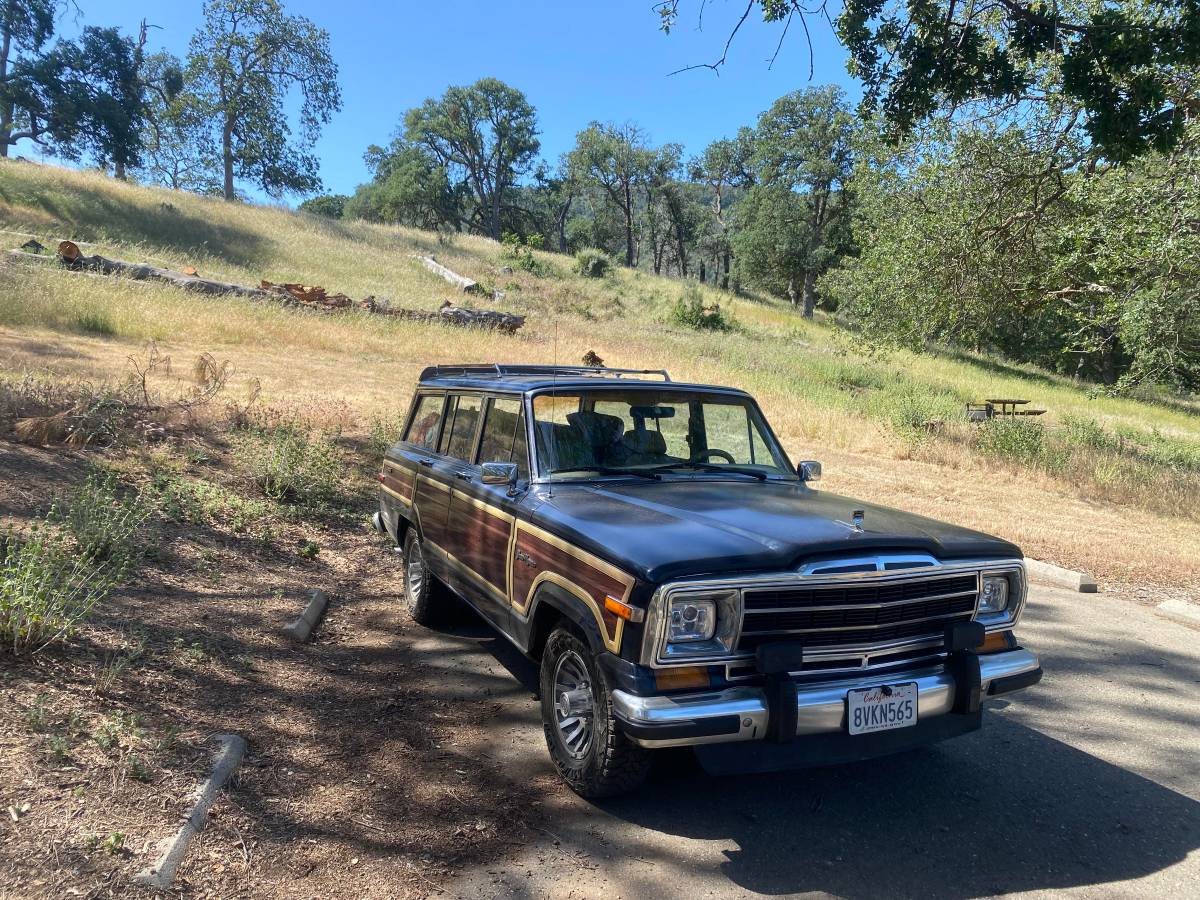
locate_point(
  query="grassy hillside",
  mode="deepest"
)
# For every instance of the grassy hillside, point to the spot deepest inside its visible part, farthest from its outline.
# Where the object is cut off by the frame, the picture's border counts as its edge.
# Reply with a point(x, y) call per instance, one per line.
point(1108, 484)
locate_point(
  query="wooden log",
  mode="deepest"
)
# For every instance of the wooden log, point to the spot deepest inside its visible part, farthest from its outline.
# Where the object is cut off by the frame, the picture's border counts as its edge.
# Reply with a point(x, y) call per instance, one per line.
point(73, 259)
point(466, 285)
point(469, 318)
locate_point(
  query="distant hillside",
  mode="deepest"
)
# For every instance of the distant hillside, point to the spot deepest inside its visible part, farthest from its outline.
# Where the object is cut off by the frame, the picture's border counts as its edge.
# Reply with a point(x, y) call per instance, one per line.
point(822, 391)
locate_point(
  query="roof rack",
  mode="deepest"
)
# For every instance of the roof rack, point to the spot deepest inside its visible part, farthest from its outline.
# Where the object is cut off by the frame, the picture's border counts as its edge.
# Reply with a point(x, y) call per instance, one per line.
point(497, 370)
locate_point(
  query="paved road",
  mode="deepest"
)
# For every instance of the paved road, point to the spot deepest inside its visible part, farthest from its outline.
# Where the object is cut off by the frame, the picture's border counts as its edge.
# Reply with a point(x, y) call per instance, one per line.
point(1087, 785)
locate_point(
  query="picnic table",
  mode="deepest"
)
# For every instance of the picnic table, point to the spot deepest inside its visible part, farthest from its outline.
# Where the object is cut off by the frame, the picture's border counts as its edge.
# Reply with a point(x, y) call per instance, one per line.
point(988, 409)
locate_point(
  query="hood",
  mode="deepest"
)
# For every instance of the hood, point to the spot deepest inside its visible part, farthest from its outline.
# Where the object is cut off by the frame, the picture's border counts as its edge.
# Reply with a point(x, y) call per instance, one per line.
point(660, 530)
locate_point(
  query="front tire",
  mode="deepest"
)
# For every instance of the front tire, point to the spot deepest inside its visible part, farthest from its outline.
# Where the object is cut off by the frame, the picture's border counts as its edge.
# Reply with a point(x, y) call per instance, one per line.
point(419, 593)
point(587, 746)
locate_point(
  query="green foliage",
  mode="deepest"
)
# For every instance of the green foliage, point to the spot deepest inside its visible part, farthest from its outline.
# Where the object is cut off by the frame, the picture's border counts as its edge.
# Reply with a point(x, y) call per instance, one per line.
point(385, 431)
point(243, 63)
point(487, 134)
point(330, 206)
point(308, 550)
point(53, 576)
point(105, 522)
point(1120, 63)
point(519, 252)
point(593, 263)
point(81, 98)
point(690, 311)
point(289, 465)
point(1016, 439)
point(96, 323)
point(988, 240)
point(200, 502)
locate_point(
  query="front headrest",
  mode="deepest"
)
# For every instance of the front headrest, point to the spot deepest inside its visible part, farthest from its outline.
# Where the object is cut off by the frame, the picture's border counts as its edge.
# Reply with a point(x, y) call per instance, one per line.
point(599, 430)
point(643, 441)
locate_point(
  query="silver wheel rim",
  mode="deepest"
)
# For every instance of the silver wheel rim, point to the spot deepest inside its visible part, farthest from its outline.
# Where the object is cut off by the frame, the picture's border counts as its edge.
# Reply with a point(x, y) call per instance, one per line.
point(573, 704)
point(414, 573)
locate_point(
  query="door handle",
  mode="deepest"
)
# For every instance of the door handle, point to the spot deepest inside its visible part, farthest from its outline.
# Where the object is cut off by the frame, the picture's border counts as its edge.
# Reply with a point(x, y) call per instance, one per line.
point(465, 476)
point(425, 462)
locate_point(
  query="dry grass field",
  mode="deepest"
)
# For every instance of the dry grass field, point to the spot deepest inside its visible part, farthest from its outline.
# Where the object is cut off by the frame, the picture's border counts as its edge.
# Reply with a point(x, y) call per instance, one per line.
point(1111, 485)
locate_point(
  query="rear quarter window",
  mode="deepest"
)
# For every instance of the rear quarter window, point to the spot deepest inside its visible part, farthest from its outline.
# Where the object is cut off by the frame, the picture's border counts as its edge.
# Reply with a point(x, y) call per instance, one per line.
point(423, 430)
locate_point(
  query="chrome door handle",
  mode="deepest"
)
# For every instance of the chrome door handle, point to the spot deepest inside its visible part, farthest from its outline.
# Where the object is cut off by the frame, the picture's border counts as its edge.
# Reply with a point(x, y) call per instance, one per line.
point(465, 476)
point(425, 462)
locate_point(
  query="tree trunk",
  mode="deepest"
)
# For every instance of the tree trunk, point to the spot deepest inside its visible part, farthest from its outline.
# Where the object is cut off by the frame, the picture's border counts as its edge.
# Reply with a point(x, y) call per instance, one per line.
point(809, 293)
point(702, 271)
point(227, 158)
point(628, 228)
point(6, 109)
point(725, 271)
point(791, 289)
point(119, 170)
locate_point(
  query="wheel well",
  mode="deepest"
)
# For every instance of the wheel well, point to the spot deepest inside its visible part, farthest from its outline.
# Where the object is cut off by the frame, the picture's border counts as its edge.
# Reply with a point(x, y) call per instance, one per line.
point(547, 617)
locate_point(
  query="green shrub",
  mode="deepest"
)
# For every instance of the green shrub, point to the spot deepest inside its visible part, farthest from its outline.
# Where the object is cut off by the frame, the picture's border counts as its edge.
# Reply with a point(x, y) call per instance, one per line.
point(47, 588)
point(106, 525)
point(291, 466)
point(593, 263)
point(385, 431)
point(1017, 439)
point(690, 311)
point(520, 252)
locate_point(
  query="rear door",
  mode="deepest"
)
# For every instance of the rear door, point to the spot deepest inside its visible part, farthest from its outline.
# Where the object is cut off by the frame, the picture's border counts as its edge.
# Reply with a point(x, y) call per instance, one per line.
point(483, 516)
point(431, 490)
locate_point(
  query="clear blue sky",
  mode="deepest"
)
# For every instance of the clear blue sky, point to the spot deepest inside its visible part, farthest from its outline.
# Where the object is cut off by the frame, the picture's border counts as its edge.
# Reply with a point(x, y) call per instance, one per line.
point(575, 61)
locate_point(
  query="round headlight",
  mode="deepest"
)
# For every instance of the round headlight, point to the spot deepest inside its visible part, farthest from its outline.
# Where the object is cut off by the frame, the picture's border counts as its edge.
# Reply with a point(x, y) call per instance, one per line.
point(994, 597)
point(691, 619)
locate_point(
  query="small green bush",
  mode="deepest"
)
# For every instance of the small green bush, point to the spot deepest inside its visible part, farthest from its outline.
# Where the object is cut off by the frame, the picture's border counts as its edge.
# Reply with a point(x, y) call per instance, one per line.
point(95, 323)
point(1019, 440)
point(385, 431)
point(520, 252)
point(47, 588)
point(593, 263)
point(690, 312)
point(290, 465)
point(105, 523)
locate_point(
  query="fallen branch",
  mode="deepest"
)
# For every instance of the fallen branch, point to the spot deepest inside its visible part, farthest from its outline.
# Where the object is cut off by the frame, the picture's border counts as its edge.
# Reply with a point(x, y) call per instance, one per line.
point(464, 284)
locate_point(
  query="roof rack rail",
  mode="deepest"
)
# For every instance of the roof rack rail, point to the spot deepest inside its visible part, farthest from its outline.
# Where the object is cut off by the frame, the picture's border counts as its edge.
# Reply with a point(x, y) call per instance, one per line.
point(498, 370)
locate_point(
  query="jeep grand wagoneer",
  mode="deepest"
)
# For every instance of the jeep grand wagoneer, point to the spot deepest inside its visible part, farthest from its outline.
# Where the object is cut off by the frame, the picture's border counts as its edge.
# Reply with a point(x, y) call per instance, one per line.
point(681, 583)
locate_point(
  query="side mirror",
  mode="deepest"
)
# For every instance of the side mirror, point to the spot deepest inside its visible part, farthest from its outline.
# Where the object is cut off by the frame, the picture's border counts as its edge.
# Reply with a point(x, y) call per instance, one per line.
point(498, 473)
point(809, 470)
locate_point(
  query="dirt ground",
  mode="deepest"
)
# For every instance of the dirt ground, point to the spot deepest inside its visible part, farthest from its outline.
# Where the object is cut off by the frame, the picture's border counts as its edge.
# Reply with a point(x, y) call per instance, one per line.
point(359, 780)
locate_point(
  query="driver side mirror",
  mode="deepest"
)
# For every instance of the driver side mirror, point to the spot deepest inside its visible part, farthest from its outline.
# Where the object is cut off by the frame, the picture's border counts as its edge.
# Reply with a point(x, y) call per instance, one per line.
point(498, 473)
point(809, 470)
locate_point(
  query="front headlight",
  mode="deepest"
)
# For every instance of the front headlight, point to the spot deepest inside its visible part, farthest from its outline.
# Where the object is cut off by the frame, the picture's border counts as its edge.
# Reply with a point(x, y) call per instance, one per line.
point(698, 624)
point(994, 596)
point(691, 619)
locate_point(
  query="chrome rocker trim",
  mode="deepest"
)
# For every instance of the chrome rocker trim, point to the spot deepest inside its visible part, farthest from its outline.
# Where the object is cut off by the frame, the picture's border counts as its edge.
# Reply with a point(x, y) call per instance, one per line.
point(741, 713)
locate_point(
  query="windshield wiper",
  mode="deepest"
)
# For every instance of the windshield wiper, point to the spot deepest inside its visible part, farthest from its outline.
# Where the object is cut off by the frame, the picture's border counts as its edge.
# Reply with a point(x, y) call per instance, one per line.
point(609, 470)
point(712, 467)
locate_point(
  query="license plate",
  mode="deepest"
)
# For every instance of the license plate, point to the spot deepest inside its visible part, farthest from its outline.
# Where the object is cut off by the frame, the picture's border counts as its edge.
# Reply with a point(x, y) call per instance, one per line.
point(882, 708)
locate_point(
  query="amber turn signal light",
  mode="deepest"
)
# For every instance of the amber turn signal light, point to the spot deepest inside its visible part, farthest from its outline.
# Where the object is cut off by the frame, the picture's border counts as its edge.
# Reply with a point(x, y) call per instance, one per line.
point(996, 642)
point(686, 677)
point(622, 609)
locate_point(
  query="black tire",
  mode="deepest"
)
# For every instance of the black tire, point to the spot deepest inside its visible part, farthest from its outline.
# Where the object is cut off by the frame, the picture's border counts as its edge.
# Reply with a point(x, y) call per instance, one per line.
point(607, 763)
point(420, 592)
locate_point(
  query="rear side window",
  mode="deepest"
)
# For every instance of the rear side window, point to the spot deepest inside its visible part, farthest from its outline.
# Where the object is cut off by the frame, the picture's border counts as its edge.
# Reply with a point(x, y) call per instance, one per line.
point(458, 437)
point(423, 430)
point(504, 436)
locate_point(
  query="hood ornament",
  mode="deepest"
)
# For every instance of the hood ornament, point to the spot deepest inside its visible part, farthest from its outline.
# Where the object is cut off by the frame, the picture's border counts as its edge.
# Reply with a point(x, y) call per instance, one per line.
point(856, 521)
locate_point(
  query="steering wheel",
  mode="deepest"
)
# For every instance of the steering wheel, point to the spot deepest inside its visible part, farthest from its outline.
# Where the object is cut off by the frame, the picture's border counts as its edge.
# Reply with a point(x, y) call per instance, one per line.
point(703, 456)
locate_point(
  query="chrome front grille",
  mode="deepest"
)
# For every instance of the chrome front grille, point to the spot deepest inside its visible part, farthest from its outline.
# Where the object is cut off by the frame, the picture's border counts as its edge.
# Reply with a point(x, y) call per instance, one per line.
point(842, 620)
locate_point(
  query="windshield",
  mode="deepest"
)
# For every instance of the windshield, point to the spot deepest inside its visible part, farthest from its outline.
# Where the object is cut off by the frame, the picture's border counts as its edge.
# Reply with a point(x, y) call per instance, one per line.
point(592, 433)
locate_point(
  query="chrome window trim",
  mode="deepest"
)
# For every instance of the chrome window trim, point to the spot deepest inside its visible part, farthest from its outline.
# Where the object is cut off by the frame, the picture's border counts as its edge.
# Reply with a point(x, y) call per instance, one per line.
point(653, 651)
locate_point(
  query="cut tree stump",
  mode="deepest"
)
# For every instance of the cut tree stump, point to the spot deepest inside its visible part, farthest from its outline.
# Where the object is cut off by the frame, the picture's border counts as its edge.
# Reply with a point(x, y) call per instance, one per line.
point(464, 284)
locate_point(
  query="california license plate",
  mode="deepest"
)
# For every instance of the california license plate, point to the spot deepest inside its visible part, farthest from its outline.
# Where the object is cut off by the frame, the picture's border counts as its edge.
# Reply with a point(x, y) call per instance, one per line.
point(882, 708)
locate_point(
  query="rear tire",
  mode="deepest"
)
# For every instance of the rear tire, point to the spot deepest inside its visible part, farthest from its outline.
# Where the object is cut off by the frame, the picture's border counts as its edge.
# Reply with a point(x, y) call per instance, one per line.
point(586, 744)
point(420, 594)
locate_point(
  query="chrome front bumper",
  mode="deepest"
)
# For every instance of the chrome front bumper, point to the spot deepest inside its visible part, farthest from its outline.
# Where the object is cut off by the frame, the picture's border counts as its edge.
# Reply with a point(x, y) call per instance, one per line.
point(742, 713)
